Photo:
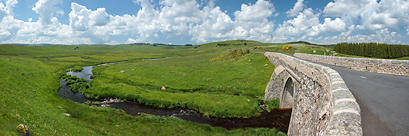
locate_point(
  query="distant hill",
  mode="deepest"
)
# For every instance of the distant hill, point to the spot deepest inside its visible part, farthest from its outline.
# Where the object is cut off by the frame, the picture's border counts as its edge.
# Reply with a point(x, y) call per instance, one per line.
point(302, 42)
point(19, 44)
point(308, 43)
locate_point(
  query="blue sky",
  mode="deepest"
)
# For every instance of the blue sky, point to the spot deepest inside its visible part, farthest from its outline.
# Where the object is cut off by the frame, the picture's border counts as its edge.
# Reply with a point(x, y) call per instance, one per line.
point(202, 21)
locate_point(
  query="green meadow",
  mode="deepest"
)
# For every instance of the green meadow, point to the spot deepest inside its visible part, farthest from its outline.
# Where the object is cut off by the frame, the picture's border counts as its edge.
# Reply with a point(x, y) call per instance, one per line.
point(219, 79)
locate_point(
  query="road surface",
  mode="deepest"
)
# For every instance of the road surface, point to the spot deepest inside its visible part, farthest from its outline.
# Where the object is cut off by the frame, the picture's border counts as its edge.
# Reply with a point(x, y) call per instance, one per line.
point(383, 99)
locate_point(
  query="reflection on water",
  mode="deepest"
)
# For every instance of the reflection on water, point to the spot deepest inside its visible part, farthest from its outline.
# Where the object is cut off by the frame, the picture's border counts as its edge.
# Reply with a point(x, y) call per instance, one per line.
point(155, 59)
point(86, 73)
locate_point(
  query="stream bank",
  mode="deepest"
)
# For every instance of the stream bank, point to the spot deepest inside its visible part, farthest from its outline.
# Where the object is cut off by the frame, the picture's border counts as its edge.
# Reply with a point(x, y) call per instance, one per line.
point(278, 119)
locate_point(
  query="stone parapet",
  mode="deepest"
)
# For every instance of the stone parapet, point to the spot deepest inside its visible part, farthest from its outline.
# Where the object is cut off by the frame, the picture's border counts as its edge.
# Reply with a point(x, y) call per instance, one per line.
point(396, 67)
point(323, 104)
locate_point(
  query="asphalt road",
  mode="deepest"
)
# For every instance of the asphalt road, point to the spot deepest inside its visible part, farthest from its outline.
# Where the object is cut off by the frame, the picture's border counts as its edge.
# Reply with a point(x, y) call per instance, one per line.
point(383, 99)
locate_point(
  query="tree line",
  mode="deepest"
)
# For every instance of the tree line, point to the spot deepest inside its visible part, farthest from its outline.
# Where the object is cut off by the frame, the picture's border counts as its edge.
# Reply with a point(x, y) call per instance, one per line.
point(377, 50)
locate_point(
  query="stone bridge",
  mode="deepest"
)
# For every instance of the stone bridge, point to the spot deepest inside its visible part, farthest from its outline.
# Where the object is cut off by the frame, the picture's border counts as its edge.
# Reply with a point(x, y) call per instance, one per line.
point(322, 103)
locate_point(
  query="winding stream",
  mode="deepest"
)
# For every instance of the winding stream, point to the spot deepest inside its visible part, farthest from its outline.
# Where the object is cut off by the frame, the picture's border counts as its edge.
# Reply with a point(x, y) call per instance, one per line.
point(278, 119)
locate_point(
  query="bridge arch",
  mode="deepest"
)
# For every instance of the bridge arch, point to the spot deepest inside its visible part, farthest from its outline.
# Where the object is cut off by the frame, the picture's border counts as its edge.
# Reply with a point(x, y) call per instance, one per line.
point(287, 99)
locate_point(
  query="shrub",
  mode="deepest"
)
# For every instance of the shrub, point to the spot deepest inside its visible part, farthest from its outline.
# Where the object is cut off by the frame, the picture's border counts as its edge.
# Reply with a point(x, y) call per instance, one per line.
point(81, 80)
point(72, 77)
point(286, 47)
point(69, 82)
point(233, 54)
point(65, 76)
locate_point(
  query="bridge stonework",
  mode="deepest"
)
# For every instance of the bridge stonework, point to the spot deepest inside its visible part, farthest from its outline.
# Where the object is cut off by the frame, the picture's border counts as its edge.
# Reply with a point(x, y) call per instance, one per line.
point(322, 104)
point(396, 67)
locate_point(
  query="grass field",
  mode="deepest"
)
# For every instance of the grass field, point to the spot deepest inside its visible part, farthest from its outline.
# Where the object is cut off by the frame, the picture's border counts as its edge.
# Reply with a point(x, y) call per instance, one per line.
point(216, 88)
point(222, 88)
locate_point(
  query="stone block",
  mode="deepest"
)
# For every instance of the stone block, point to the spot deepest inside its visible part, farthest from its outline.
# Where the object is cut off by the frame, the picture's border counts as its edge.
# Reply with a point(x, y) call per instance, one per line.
point(344, 124)
point(342, 94)
point(330, 71)
point(297, 61)
point(338, 85)
point(326, 69)
point(333, 79)
point(396, 62)
point(317, 67)
point(309, 64)
point(346, 106)
point(373, 60)
point(405, 62)
point(334, 75)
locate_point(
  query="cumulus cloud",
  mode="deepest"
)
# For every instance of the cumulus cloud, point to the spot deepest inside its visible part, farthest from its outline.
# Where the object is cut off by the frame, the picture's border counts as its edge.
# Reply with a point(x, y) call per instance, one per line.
point(250, 22)
point(381, 36)
point(89, 24)
point(257, 12)
point(4, 35)
point(373, 16)
point(46, 9)
point(10, 4)
point(298, 26)
point(216, 20)
point(328, 26)
point(3, 11)
point(298, 6)
point(201, 22)
point(7, 8)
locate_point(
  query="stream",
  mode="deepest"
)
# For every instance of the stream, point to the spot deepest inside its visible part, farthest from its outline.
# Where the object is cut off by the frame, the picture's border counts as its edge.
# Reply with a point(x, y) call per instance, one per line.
point(278, 119)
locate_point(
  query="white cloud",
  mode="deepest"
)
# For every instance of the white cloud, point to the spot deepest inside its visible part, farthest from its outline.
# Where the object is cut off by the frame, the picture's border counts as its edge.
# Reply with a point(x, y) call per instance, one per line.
point(3, 11)
point(250, 23)
point(350, 30)
point(7, 8)
point(10, 4)
point(338, 9)
point(46, 9)
point(297, 26)
point(257, 12)
point(373, 16)
point(217, 25)
point(79, 17)
point(4, 35)
point(203, 21)
point(407, 30)
point(298, 6)
point(381, 36)
point(135, 2)
point(98, 17)
point(329, 26)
